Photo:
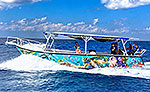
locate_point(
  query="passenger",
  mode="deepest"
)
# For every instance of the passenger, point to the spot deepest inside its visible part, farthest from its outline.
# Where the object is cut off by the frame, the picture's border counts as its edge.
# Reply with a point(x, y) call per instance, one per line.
point(130, 49)
point(135, 49)
point(139, 52)
point(78, 51)
point(77, 47)
point(113, 49)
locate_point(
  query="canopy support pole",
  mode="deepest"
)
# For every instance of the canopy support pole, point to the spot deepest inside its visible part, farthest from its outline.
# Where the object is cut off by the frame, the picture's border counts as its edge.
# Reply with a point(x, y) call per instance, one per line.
point(86, 39)
point(47, 40)
point(123, 43)
point(52, 42)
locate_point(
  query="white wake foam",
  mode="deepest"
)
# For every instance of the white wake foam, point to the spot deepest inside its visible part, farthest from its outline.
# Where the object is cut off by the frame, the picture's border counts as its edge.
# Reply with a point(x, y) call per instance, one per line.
point(31, 63)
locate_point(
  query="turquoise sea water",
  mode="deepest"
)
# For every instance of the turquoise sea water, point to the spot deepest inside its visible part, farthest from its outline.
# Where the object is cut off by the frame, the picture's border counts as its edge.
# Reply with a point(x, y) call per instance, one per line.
point(25, 73)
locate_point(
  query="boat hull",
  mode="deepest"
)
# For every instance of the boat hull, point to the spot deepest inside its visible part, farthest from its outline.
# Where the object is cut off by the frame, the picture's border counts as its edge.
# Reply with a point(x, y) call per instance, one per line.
point(88, 61)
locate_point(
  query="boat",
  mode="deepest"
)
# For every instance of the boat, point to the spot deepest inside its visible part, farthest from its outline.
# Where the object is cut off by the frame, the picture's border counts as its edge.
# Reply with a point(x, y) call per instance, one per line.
point(84, 60)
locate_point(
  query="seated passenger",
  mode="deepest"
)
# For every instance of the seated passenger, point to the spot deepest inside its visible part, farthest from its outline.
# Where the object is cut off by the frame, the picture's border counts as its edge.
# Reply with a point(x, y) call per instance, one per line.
point(139, 51)
point(77, 45)
point(113, 48)
point(78, 51)
point(135, 49)
point(77, 48)
point(130, 49)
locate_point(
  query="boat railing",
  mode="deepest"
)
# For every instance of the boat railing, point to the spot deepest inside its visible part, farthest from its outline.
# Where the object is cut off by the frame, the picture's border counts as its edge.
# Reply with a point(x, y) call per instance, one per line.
point(21, 41)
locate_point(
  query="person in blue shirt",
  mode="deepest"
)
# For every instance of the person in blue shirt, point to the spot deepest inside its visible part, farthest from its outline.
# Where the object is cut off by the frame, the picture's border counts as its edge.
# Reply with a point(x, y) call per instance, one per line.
point(130, 49)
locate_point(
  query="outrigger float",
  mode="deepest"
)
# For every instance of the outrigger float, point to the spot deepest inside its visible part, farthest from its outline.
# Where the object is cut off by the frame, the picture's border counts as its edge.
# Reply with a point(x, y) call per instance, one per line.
point(84, 60)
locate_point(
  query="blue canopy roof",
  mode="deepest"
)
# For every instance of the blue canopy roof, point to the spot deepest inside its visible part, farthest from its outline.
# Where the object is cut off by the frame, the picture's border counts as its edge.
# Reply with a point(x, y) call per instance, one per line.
point(94, 36)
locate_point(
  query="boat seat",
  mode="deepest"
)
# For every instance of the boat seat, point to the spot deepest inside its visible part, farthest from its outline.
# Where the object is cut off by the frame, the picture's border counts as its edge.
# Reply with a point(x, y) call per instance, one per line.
point(92, 51)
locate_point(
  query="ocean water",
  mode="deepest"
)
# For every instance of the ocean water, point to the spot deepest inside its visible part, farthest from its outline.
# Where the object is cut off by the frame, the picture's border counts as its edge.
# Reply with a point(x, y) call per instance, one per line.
point(27, 73)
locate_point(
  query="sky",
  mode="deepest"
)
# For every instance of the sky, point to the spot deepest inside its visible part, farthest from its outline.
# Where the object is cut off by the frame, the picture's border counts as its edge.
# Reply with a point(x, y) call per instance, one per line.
point(30, 18)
